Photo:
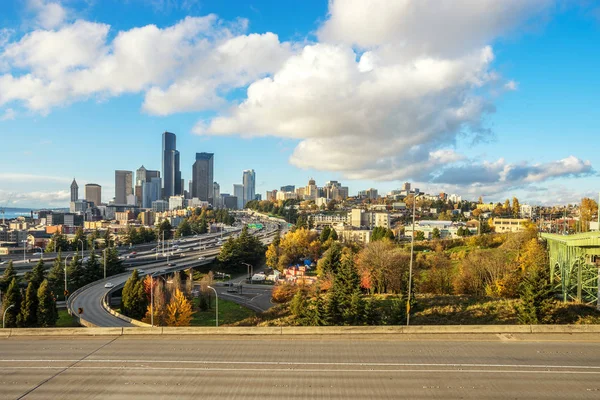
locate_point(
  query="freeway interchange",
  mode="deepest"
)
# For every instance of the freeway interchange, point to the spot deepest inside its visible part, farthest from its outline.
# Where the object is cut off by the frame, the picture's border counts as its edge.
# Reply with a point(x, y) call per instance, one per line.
point(193, 252)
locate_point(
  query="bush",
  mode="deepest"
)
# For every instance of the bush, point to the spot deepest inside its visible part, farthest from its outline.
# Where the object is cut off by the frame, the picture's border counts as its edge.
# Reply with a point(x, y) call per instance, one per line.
point(283, 292)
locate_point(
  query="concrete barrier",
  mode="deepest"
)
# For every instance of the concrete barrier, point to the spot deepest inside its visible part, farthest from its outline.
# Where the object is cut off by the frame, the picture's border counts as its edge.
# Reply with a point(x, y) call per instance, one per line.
point(522, 330)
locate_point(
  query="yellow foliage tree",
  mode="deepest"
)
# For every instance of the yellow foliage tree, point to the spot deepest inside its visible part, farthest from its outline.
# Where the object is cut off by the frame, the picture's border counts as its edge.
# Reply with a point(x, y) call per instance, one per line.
point(272, 256)
point(179, 310)
point(588, 208)
point(533, 256)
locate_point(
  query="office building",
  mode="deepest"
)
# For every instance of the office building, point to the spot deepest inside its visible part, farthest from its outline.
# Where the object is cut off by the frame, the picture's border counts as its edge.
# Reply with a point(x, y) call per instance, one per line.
point(216, 195)
point(311, 192)
point(79, 206)
point(202, 177)
point(74, 191)
point(143, 176)
point(160, 206)
point(151, 192)
point(170, 166)
point(123, 186)
point(406, 186)
point(176, 202)
point(271, 195)
point(230, 202)
point(258, 197)
point(93, 194)
point(288, 188)
point(249, 182)
point(238, 192)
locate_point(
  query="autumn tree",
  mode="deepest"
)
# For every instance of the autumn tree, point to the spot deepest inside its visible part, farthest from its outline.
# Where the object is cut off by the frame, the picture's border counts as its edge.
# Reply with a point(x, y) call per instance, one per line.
point(383, 267)
point(587, 210)
point(516, 207)
point(179, 310)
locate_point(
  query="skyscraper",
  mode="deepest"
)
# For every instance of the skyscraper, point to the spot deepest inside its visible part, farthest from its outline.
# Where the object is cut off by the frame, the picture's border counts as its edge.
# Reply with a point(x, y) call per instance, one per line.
point(143, 175)
point(202, 177)
point(74, 191)
point(123, 186)
point(170, 166)
point(151, 191)
point(216, 195)
point(93, 193)
point(238, 192)
point(249, 181)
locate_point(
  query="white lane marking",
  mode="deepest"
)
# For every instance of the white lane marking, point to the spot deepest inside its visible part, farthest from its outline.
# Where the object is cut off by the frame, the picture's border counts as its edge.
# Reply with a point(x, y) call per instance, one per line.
point(291, 363)
point(477, 371)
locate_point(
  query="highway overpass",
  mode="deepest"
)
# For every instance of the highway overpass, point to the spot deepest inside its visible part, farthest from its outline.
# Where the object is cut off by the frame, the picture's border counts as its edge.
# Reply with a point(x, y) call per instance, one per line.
point(306, 366)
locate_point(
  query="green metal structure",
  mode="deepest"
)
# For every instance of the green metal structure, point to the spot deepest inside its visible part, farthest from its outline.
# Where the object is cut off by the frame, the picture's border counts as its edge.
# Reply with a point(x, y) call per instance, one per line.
point(575, 265)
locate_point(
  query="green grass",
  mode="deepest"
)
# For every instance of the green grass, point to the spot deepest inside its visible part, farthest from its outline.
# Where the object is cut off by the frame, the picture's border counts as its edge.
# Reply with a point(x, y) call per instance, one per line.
point(229, 313)
point(65, 320)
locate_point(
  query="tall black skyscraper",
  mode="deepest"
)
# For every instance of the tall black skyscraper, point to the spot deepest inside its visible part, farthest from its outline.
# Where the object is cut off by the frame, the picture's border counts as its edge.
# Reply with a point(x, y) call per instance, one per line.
point(170, 166)
point(202, 177)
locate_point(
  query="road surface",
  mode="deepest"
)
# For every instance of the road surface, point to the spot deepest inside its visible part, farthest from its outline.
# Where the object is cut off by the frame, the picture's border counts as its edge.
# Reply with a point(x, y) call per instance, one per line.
point(300, 367)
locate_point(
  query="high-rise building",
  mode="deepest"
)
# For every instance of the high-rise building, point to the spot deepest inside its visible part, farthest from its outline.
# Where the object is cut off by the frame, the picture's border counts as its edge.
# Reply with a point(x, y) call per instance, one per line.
point(93, 193)
point(143, 175)
point(202, 177)
point(312, 191)
point(74, 191)
point(249, 182)
point(151, 192)
point(123, 186)
point(288, 188)
point(216, 195)
point(238, 192)
point(170, 166)
point(406, 186)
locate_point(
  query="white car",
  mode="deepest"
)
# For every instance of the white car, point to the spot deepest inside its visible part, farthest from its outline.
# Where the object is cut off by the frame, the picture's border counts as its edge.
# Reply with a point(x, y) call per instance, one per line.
point(108, 285)
point(201, 258)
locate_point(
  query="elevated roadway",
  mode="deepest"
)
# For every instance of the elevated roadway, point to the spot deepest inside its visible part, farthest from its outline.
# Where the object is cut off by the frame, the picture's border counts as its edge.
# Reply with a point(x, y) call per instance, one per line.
point(90, 298)
point(301, 367)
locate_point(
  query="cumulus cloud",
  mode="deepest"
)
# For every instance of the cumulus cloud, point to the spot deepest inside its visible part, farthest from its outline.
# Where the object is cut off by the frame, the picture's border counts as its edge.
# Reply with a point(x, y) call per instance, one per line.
point(18, 177)
point(56, 198)
point(49, 14)
point(184, 67)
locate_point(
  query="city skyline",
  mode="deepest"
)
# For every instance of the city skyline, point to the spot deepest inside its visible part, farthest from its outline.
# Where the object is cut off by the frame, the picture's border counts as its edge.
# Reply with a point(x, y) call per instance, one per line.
point(509, 105)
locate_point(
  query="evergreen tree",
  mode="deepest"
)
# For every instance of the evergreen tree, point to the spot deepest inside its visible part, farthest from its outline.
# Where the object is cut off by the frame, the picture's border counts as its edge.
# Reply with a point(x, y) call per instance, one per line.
point(7, 277)
point(333, 235)
point(56, 275)
point(138, 301)
point(12, 297)
point(129, 292)
point(325, 234)
point(353, 315)
point(203, 226)
point(316, 311)
point(184, 229)
point(75, 243)
point(164, 228)
point(108, 239)
point(346, 283)
point(537, 297)
point(330, 261)
point(298, 304)
point(37, 274)
point(47, 314)
point(29, 307)
point(114, 265)
point(93, 270)
point(76, 273)
point(371, 316)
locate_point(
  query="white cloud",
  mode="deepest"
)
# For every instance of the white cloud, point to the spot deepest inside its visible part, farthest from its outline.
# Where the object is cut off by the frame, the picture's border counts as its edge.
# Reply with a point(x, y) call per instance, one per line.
point(18, 177)
point(49, 14)
point(184, 67)
point(56, 198)
point(9, 114)
point(511, 85)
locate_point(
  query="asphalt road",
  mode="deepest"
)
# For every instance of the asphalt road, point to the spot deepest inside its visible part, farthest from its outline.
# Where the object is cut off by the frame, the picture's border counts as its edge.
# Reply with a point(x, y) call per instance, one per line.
point(288, 367)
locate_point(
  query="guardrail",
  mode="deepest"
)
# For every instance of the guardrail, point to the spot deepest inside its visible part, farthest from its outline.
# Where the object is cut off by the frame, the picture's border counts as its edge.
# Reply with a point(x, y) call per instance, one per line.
point(525, 330)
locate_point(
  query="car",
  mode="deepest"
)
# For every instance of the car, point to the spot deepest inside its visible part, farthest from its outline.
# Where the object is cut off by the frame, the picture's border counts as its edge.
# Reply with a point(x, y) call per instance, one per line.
point(3, 262)
point(171, 265)
point(141, 271)
point(108, 285)
point(201, 258)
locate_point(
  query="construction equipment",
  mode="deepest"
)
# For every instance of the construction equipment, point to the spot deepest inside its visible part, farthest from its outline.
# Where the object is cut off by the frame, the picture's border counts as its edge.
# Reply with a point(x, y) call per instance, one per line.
point(2, 209)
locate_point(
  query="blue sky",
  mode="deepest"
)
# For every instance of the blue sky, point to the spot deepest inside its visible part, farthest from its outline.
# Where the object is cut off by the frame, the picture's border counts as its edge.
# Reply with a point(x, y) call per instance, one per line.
point(476, 100)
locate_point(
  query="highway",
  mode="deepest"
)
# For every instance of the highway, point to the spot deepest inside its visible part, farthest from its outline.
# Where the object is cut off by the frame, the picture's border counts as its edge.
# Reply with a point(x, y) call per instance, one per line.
point(490, 366)
point(90, 299)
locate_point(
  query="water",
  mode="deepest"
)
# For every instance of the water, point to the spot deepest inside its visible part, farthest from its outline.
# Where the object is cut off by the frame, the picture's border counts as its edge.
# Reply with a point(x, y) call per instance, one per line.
point(11, 213)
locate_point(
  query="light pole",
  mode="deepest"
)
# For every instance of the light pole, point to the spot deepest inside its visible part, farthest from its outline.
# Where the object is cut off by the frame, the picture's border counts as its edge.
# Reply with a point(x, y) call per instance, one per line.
point(24, 248)
point(4, 315)
point(250, 271)
point(412, 249)
point(217, 304)
point(41, 252)
point(80, 240)
point(104, 251)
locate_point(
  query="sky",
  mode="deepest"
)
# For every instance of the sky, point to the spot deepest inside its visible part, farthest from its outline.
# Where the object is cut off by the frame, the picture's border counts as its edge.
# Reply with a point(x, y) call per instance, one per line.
point(479, 98)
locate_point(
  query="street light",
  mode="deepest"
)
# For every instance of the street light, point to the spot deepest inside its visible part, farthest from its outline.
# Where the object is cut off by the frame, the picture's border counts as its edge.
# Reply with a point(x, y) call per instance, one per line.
point(4, 315)
point(41, 252)
point(217, 305)
point(412, 249)
point(152, 299)
point(104, 251)
point(250, 271)
point(80, 240)
point(24, 248)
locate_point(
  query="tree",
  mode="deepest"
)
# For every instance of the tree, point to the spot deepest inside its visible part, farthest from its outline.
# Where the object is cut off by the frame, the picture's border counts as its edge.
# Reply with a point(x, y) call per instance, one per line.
point(7, 277)
point(537, 297)
point(331, 205)
point(75, 243)
point(47, 314)
point(588, 208)
point(133, 298)
point(333, 235)
point(58, 242)
point(76, 273)
point(436, 233)
point(93, 270)
point(419, 235)
point(179, 310)
point(298, 304)
point(330, 262)
point(272, 256)
point(165, 228)
point(108, 239)
point(56, 275)
point(29, 307)
point(325, 234)
point(516, 207)
point(12, 297)
point(37, 274)
point(480, 200)
point(506, 207)
point(184, 229)
point(345, 283)
point(383, 267)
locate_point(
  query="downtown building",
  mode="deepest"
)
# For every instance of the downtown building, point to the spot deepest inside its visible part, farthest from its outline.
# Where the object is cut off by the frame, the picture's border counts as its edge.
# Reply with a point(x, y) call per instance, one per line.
point(123, 186)
point(249, 182)
point(202, 178)
point(170, 166)
point(93, 194)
